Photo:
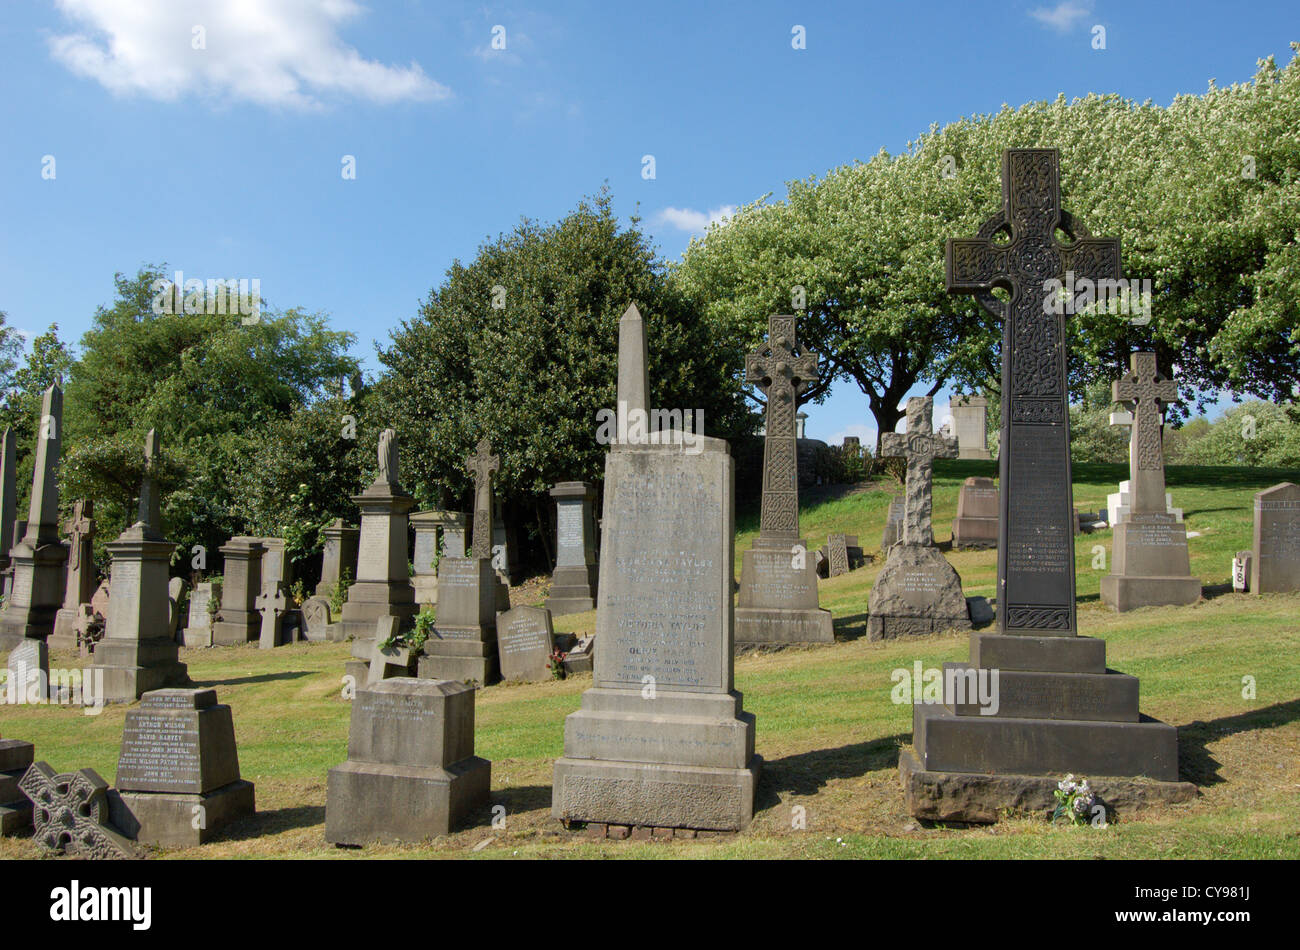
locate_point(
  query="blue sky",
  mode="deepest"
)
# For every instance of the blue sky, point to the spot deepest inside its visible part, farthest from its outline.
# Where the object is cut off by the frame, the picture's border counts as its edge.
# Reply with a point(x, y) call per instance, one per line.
point(225, 161)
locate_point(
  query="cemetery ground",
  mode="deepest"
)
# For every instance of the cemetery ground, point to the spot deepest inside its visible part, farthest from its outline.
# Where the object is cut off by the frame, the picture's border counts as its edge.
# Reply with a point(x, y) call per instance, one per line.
point(827, 729)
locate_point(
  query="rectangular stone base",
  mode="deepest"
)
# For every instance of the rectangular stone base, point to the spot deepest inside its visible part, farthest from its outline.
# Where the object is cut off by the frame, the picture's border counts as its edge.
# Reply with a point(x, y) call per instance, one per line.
point(167, 820)
point(64, 636)
point(126, 684)
point(984, 799)
point(367, 802)
point(196, 637)
point(661, 796)
point(1122, 593)
point(994, 651)
point(460, 666)
point(974, 533)
point(560, 606)
point(226, 634)
point(765, 625)
point(1023, 694)
point(946, 742)
point(889, 627)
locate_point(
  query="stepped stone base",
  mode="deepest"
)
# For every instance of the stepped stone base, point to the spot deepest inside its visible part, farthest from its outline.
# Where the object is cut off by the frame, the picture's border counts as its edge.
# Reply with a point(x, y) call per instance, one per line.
point(984, 799)
point(764, 625)
point(460, 661)
point(166, 820)
point(1124, 593)
point(369, 802)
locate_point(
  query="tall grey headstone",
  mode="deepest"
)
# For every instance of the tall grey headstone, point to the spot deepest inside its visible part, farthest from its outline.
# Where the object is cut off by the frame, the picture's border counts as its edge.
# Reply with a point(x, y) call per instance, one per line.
point(339, 557)
point(1275, 554)
point(239, 621)
point(575, 581)
point(970, 424)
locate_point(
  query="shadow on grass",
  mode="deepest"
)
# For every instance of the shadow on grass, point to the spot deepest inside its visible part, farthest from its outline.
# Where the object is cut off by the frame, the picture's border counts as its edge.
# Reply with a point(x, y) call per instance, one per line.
point(1210, 591)
point(243, 680)
point(806, 773)
point(1196, 764)
point(522, 799)
point(849, 628)
point(272, 822)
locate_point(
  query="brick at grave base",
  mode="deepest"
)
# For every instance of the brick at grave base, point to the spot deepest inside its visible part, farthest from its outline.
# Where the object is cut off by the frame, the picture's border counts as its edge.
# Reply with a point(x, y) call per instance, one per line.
point(983, 799)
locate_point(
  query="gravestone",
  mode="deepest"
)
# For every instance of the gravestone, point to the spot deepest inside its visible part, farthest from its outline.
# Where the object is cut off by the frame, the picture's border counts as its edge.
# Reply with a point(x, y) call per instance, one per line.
point(1241, 572)
point(80, 584)
point(1120, 503)
point(198, 631)
point(38, 559)
point(8, 504)
point(383, 586)
point(917, 591)
point(462, 645)
point(777, 602)
point(525, 641)
point(15, 807)
point(970, 422)
point(138, 651)
point(276, 567)
point(178, 762)
point(271, 605)
point(1275, 553)
point(70, 813)
point(175, 595)
point(574, 583)
point(505, 552)
point(1060, 709)
point(93, 619)
point(453, 534)
point(425, 557)
point(581, 655)
point(662, 740)
point(28, 673)
point(411, 772)
point(315, 619)
point(1149, 564)
point(339, 556)
point(976, 524)
point(837, 555)
point(853, 446)
point(893, 525)
point(238, 621)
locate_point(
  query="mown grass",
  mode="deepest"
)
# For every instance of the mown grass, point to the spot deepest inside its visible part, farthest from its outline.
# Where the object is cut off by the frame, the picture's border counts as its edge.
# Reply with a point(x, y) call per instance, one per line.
point(827, 729)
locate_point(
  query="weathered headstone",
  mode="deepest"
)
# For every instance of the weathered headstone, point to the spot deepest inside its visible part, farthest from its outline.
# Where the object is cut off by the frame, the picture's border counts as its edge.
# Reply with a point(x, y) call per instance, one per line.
point(339, 556)
point(525, 641)
point(198, 631)
point(581, 655)
point(1149, 565)
point(411, 771)
point(70, 813)
point(777, 601)
point(271, 604)
point(383, 586)
point(276, 567)
point(661, 739)
point(574, 583)
point(1241, 572)
point(239, 621)
point(505, 551)
point(15, 808)
point(38, 559)
point(462, 646)
point(1275, 553)
point(178, 778)
point(28, 673)
point(917, 591)
point(138, 652)
point(1059, 709)
point(315, 619)
point(425, 557)
point(837, 555)
point(976, 524)
point(80, 585)
point(970, 424)
point(175, 596)
point(893, 530)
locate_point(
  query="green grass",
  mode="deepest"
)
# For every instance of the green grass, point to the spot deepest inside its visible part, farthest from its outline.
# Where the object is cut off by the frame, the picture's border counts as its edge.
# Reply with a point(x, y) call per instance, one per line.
point(827, 729)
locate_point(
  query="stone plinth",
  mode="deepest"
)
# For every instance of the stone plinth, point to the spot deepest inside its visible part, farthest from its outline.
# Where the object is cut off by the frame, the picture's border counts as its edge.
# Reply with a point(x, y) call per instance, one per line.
point(662, 739)
point(425, 558)
point(238, 621)
point(970, 425)
point(574, 583)
point(1150, 565)
point(178, 761)
point(411, 772)
point(777, 602)
point(383, 586)
point(339, 556)
point(462, 646)
point(976, 524)
point(16, 757)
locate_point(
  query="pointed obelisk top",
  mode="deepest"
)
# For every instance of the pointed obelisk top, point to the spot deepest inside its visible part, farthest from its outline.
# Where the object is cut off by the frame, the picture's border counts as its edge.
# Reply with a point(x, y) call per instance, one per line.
point(43, 513)
point(633, 384)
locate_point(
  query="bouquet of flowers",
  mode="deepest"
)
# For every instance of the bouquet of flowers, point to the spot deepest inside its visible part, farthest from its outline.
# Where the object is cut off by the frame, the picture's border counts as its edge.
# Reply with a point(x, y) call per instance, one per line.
point(1075, 801)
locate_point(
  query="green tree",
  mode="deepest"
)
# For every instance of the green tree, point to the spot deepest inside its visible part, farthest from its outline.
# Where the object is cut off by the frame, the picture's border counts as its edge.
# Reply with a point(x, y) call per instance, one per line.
point(48, 361)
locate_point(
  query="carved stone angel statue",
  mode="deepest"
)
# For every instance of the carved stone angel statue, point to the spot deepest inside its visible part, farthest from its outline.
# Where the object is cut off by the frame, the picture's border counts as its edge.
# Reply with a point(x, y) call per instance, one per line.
point(388, 456)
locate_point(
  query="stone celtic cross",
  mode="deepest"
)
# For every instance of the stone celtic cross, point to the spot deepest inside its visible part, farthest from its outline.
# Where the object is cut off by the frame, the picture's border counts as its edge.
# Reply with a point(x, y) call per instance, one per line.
point(271, 604)
point(70, 813)
point(782, 369)
point(80, 528)
point(1019, 251)
point(1148, 391)
point(483, 463)
point(920, 446)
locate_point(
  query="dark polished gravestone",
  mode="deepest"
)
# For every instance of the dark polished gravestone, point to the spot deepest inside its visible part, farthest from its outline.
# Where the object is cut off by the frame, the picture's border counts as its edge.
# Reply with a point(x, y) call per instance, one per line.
point(1060, 710)
point(1275, 554)
point(1149, 565)
point(411, 772)
point(662, 739)
point(917, 591)
point(15, 808)
point(777, 601)
point(462, 645)
point(178, 780)
point(525, 642)
point(976, 524)
point(574, 583)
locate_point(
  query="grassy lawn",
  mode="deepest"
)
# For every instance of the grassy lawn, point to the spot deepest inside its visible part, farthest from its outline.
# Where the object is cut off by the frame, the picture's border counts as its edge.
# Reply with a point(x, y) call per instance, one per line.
point(827, 729)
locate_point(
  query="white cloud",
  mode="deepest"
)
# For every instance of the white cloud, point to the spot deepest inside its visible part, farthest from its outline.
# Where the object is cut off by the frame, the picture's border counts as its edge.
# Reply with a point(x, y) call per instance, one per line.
point(1063, 17)
point(695, 222)
point(270, 52)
